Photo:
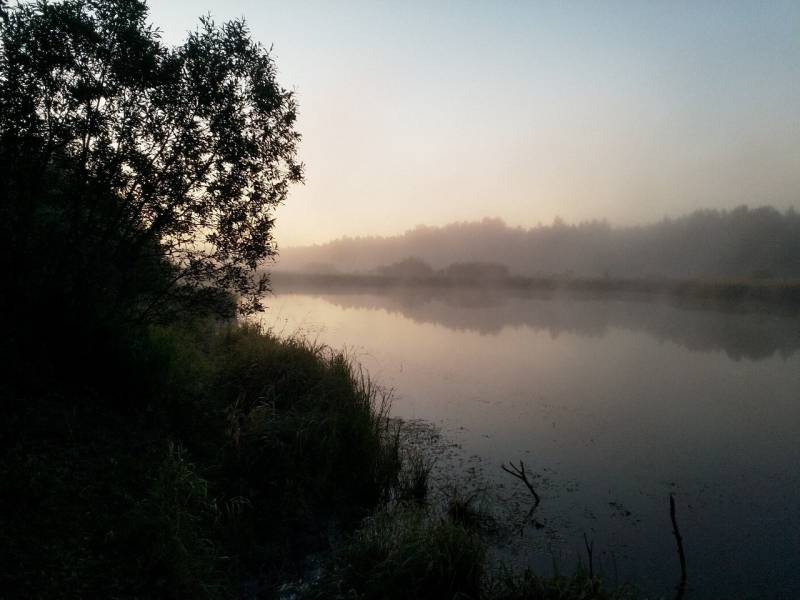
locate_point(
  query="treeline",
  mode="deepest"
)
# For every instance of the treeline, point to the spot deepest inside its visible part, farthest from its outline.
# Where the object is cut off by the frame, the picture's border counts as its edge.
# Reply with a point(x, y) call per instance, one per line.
point(743, 243)
point(151, 444)
point(416, 269)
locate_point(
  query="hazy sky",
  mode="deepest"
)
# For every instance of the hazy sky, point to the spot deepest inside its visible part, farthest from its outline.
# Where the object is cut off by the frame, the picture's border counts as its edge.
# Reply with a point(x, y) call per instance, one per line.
point(433, 112)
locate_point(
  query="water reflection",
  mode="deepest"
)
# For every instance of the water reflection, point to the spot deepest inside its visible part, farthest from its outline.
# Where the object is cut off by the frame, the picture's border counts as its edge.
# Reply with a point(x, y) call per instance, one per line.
point(617, 403)
point(751, 335)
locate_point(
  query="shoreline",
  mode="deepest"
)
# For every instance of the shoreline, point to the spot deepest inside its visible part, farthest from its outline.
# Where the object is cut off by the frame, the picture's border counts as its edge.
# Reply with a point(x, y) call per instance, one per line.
point(737, 294)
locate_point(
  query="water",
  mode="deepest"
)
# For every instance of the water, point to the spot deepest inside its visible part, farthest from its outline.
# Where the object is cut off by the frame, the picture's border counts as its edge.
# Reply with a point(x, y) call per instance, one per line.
point(615, 403)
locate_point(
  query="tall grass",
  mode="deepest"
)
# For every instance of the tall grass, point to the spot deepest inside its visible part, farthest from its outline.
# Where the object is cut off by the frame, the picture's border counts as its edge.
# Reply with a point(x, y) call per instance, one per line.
point(217, 458)
point(529, 586)
point(403, 554)
point(214, 462)
point(406, 552)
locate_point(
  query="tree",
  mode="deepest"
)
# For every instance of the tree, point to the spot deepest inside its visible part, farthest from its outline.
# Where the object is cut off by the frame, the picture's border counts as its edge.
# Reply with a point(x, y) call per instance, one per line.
point(408, 268)
point(136, 172)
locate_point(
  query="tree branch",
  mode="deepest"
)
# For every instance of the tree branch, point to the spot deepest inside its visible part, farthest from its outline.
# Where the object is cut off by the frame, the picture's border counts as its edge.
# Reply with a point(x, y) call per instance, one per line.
point(519, 473)
point(679, 541)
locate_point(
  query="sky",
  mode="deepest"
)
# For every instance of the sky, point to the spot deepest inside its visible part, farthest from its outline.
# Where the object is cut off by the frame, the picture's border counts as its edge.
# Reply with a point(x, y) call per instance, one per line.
point(434, 112)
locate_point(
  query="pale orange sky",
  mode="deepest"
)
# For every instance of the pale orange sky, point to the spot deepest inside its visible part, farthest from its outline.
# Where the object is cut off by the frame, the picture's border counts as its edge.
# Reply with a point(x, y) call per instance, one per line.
point(450, 111)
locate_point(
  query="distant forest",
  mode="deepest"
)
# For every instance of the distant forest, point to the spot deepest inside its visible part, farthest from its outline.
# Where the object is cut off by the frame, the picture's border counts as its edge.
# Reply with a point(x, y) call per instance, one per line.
point(743, 243)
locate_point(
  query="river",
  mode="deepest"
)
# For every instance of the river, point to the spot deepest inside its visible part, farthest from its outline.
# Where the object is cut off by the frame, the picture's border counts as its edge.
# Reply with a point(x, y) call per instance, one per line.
point(615, 403)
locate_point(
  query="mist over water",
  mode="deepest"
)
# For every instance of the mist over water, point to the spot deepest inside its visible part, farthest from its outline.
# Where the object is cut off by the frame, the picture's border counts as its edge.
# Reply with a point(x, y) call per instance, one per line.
point(745, 243)
point(616, 403)
point(561, 234)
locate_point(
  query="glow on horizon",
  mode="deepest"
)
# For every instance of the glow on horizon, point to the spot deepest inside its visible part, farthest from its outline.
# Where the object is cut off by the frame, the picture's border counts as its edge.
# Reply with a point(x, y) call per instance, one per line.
point(428, 113)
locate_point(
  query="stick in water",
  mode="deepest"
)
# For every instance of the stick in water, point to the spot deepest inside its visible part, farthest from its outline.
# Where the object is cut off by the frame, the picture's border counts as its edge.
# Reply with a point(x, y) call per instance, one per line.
point(589, 551)
point(679, 541)
point(519, 473)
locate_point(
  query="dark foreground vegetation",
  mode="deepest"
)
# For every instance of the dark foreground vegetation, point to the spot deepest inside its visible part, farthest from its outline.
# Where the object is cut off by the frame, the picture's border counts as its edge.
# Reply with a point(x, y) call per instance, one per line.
point(204, 462)
point(152, 445)
point(209, 460)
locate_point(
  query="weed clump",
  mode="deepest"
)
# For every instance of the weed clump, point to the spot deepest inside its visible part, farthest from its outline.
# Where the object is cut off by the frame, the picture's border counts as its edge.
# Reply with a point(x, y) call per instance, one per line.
point(529, 586)
point(403, 554)
point(216, 461)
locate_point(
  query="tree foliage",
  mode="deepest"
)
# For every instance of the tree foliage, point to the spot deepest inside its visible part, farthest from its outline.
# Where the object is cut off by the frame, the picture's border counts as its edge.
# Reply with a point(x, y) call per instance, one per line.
point(136, 172)
point(742, 243)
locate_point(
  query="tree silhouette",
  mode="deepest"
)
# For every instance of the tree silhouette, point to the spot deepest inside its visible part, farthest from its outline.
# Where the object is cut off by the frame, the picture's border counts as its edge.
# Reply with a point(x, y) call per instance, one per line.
point(134, 171)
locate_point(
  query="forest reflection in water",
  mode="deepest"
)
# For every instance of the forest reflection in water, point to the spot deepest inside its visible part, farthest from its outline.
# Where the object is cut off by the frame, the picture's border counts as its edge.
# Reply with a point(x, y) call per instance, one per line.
point(615, 402)
point(739, 333)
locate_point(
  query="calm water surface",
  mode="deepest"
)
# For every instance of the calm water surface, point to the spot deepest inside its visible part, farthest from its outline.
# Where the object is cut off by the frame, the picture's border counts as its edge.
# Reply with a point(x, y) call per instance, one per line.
point(615, 404)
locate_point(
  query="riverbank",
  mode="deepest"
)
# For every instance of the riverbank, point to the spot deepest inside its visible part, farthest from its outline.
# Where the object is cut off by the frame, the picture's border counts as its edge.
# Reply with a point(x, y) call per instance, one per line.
point(745, 295)
point(209, 460)
point(611, 402)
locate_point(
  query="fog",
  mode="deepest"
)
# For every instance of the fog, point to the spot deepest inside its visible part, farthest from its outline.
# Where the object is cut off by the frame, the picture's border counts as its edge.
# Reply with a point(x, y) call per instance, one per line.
point(292, 289)
point(615, 401)
point(744, 243)
point(752, 335)
point(431, 113)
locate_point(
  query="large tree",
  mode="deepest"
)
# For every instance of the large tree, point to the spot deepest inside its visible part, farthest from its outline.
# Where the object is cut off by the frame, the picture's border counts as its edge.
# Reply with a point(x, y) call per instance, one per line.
point(134, 170)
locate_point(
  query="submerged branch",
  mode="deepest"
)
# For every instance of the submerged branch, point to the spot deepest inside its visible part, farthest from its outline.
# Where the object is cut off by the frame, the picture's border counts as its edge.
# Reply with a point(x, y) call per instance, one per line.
point(519, 473)
point(679, 541)
point(590, 552)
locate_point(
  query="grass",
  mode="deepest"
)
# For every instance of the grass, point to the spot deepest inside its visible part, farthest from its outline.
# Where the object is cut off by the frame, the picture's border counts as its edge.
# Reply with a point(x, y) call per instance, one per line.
point(414, 476)
point(210, 460)
point(464, 510)
point(403, 554)
point(213, 463)
point(528, 586)
point(406, 553)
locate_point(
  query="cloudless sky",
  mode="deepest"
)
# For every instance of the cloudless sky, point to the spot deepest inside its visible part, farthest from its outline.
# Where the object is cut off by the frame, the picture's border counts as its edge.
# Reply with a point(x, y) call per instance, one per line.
point(433, 112)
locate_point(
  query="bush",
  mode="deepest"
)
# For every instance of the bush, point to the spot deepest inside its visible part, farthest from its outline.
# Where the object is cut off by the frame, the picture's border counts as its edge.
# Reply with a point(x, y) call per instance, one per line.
point(232, 457)
point(404, 555)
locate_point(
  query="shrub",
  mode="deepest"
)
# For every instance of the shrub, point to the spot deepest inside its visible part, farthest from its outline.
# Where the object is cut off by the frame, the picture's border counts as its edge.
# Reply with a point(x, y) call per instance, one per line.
point(403, 555)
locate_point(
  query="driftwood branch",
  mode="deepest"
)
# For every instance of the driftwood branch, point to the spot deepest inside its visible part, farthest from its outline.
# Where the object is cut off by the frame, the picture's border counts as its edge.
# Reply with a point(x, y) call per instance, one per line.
point(520, 473)
point(679, 541)
point(589, 551)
